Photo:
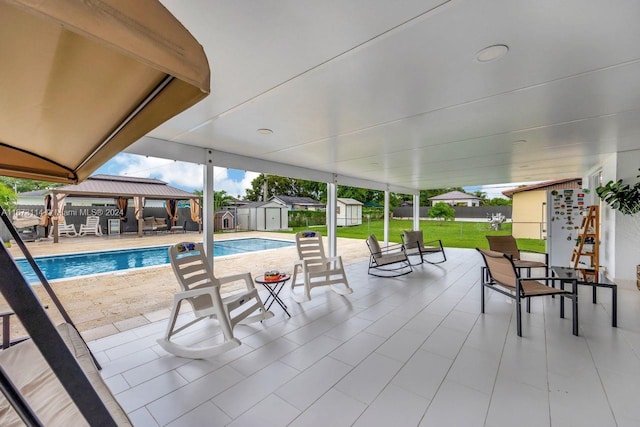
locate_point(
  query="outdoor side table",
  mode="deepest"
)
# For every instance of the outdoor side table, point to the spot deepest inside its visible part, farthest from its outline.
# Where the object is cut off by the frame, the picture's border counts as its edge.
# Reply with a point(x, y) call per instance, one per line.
point(580, 276)
point(274, 287)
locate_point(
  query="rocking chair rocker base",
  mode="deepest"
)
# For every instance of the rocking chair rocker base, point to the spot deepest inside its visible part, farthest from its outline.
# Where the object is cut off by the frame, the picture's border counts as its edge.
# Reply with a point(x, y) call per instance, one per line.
point(197, 352)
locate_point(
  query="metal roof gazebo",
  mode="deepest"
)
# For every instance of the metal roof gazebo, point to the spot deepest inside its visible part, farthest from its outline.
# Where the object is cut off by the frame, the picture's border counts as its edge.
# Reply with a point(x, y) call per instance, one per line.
point(122, 188)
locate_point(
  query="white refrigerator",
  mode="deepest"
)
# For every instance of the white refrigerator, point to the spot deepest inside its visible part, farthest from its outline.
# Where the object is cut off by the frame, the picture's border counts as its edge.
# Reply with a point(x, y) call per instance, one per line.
point(565, 209)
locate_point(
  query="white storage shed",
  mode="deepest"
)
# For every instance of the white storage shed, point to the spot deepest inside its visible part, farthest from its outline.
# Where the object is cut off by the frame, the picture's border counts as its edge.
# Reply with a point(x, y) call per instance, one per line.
point(263, 216)
point(349, 212)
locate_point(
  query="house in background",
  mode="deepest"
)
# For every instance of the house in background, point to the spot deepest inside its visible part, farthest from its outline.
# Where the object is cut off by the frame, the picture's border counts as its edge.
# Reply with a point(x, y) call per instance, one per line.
point(349, 212)
point(528, 214)
point(456, 198)
point(300, 203)
point(263, 216)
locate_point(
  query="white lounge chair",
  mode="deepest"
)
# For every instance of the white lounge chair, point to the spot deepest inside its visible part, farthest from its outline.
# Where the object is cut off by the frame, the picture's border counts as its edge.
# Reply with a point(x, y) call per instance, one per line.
point(65, 229)
point(91, 226)
point(316, 268)
point(201, 289)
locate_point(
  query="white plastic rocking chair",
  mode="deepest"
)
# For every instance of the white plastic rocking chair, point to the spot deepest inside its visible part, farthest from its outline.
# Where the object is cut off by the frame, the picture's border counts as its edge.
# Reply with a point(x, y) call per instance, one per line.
point(65, 229)
point(201, 289)
point(91, 226)
point(316, 268)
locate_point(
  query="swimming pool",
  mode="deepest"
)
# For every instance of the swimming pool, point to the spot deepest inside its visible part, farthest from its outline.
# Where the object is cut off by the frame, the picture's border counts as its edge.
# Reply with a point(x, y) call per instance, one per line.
point(87, 263)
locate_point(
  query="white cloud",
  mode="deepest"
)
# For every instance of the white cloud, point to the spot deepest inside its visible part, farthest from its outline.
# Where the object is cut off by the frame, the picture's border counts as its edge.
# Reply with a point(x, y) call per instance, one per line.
point(187, 176)
point(495, 190)
point(222, 181)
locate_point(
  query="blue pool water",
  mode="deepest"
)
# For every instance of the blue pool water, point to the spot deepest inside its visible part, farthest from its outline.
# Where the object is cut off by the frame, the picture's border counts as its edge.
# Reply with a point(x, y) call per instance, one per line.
point(83, 264)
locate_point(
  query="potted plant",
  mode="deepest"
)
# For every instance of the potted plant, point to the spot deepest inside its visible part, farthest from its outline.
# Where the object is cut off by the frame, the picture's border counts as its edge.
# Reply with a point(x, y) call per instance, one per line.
point(625, 199)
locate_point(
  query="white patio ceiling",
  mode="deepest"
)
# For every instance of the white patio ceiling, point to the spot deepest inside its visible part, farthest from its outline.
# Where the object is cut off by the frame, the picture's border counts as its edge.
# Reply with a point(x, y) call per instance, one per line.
point(391, 92)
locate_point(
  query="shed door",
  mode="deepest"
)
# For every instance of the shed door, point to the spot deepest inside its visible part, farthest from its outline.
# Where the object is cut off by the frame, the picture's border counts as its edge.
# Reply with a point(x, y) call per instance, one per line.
point(272, 220)
point(243, 221)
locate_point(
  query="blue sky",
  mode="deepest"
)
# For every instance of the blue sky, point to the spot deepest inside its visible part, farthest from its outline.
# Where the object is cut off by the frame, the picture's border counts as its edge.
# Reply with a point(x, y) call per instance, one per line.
point(188, 176)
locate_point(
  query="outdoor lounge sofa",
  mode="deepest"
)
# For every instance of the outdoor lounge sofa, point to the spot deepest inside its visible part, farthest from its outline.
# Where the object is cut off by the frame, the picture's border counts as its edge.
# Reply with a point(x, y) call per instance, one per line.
point(154, 224)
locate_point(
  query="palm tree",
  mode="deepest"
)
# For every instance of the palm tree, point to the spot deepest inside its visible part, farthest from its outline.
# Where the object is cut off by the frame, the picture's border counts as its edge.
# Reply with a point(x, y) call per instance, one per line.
point(220, 200)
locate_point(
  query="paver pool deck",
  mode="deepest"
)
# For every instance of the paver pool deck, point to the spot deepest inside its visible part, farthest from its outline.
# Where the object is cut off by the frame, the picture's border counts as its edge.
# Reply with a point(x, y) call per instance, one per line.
point(105, 304)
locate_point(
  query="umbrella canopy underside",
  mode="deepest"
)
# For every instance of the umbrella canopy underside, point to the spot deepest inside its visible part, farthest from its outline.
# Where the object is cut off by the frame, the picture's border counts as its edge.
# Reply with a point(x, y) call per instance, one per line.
point(81, 81)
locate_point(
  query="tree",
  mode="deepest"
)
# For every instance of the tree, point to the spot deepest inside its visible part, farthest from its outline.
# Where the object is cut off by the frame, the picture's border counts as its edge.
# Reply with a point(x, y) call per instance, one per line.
point(483, 197)
point(8, 197)
point(315, 190)
point(220, 200)
point(23, 185)
point(283, 186)
point(364, 195)
point(442, 211)
point(359, 194)
point(499, 201)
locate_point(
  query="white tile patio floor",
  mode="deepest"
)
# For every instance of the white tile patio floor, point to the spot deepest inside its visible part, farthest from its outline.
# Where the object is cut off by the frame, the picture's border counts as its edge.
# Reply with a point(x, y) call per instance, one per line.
point(409, 351)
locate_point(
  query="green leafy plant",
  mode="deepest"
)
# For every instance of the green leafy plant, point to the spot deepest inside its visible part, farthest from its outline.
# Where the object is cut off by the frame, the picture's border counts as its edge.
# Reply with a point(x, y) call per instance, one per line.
point(621, 196)
point(8, 197)
point(442, 211)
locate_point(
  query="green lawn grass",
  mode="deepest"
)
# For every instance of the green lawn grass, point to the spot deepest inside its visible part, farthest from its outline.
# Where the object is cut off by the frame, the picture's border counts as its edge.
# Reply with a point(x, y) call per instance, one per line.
point(453, 234)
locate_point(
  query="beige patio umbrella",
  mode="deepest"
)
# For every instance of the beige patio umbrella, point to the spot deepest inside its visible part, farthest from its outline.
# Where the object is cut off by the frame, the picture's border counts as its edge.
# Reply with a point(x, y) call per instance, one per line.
point(80, 81)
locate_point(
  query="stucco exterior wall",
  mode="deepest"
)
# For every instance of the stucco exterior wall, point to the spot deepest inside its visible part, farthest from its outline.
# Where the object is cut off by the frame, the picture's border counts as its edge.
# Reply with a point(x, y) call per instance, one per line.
point(607, 219)
point(627, 228)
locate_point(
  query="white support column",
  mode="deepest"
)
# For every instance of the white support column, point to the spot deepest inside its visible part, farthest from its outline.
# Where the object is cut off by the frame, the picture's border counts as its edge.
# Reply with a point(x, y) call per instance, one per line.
point(207, 208)
point(332, 217)
point(416, 211)
point(386, 217)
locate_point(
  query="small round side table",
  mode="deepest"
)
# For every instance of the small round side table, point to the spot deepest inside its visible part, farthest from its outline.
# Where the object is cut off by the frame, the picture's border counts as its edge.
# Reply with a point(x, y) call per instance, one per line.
point(274, 287)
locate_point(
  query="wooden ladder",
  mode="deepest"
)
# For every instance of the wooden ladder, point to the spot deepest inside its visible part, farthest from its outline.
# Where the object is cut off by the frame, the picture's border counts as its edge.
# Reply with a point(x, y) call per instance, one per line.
point(588, 234)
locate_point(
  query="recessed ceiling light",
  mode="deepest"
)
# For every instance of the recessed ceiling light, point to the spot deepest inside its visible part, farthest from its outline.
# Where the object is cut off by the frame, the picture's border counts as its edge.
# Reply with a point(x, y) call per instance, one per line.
point(265, 131)
point(491, 53)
